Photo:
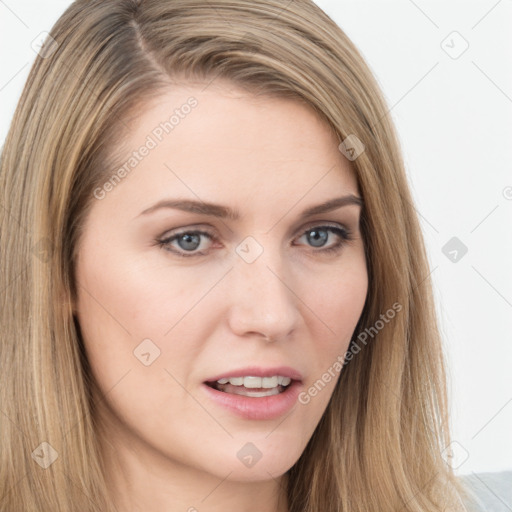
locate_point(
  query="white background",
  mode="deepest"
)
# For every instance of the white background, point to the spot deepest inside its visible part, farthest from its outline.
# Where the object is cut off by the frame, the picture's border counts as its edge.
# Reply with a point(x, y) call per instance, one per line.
point(453, 117)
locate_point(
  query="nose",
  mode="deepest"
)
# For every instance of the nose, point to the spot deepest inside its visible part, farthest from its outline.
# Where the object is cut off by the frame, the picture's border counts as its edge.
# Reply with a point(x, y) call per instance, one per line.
point(262, 298)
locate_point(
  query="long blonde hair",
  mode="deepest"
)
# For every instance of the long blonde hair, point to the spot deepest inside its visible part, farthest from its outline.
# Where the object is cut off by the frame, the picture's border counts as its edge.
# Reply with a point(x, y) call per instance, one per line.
point(378, 445)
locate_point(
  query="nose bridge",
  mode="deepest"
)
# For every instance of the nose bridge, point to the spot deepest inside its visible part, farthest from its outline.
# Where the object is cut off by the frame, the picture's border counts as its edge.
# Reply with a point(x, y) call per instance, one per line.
point(262, 300)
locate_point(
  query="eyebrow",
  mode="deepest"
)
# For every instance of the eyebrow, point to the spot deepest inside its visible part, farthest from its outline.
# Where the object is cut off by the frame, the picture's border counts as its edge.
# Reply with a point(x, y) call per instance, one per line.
point(224, 212)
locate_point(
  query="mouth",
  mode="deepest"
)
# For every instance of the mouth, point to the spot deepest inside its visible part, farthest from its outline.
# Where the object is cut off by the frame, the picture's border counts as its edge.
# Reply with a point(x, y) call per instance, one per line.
point(255, 393)
point(252, 386)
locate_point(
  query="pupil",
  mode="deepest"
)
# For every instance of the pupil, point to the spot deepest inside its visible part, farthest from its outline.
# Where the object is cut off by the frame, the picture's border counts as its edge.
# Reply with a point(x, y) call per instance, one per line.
point(189, 239)
point(319, 235)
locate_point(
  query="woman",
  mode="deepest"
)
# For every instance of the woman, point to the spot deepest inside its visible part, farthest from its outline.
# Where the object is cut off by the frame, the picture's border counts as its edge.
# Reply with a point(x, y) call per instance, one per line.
point(215, 289)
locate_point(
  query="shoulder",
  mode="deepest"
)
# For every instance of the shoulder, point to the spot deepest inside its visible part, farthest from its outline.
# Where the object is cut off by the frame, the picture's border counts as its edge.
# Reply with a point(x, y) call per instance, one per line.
point(489, 492)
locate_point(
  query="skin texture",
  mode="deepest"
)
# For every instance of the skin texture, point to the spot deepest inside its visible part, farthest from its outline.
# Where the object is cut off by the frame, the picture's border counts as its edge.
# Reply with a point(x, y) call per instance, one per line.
point(167, 445)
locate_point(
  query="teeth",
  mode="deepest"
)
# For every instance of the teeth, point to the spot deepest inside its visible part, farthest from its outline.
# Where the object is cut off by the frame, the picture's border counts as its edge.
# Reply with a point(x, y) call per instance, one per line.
point(283, 381)
point(269, 382)
point(255, 394)
point(251, 382)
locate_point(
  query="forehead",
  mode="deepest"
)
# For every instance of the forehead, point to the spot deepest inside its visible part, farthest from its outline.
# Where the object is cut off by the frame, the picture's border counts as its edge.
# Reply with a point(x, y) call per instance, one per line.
point(224, 144)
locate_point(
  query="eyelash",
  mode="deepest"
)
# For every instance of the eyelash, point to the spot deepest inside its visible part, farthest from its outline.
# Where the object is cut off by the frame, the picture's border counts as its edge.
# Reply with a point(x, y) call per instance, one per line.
point(344, 233)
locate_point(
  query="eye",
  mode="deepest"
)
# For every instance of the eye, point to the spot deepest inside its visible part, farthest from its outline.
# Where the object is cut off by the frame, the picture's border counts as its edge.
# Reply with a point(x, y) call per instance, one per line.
point(188, 241)
point(318, 236)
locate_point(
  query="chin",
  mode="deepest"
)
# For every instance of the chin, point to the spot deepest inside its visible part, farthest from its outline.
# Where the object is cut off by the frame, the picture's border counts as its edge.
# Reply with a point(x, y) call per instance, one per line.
point(259, 459)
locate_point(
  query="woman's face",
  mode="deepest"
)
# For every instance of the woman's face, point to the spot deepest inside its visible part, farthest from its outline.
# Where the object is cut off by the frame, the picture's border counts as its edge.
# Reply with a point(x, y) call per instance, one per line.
point(172, 297)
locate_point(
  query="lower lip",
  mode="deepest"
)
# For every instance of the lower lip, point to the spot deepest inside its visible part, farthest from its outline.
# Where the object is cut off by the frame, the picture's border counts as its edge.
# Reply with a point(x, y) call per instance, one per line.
point(257, 408)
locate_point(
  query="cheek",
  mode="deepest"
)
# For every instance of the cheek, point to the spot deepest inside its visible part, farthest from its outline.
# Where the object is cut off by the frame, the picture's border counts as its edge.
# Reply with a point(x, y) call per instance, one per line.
point(132, 295)
point(126, 301)
point(338, 297)
point(345, 308)
point(336, 302)
point(123, 315)
point(339, 308)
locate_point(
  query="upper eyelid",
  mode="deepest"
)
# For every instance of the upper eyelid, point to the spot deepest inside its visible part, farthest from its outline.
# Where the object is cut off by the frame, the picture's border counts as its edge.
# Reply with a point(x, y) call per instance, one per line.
point(207, 231)
point(214, 237)
point(305, 227)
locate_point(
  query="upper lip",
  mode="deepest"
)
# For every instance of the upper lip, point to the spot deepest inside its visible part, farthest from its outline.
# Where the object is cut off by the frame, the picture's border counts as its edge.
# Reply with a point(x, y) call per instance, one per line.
point(259, 371)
